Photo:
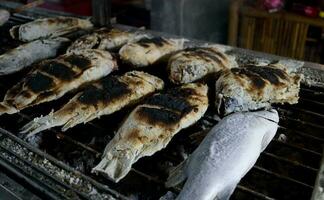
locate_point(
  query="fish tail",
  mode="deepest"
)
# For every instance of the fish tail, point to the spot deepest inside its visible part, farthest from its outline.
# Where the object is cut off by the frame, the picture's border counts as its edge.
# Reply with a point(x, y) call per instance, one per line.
point(114, 167)
point(177, 175)
point(75, 120)
point(37, 125)
point(4, 108)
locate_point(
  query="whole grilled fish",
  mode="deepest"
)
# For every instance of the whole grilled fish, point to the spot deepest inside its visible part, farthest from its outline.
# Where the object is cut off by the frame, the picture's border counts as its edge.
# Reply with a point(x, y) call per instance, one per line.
point(106, 39)
point(102, 97)
point(225, 155)
point(48, 28)
point(51, 79)
point(254, 87)
point(23, 56)
point(151, 126)
point(193, 64)
point(147, 51)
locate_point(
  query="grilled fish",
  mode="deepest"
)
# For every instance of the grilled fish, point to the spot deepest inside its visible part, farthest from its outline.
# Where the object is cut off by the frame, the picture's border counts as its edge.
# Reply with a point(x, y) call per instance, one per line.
point(103, 97)
point(151, 126)
point(106, 39)
point(193, 64)
point(254, 87)
point(48, 28)
point(147, 51)
point(27, 54)
point(225, 155)
point(51, 79)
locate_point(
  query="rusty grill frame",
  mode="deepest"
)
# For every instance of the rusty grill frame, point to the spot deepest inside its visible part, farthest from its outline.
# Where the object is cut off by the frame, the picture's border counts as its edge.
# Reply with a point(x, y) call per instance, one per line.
point(285, 170)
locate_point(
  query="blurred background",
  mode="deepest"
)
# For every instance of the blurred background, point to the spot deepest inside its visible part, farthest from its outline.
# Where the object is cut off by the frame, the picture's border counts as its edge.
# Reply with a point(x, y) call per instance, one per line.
point(292, 28)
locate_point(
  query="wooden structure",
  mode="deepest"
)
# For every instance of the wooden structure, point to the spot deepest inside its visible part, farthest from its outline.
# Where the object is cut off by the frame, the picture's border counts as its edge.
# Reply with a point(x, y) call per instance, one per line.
point(101, 12)
point(281, 33)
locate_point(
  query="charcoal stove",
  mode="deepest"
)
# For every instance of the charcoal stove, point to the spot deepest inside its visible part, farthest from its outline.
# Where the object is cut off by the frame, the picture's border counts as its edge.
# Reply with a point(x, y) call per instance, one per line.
point(56, 165)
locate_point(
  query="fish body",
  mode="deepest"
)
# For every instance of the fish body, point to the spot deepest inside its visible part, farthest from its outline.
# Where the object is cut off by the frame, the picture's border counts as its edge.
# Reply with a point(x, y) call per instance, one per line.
point(105, 39)
point(26, 54)
point(192, 64)
point(148, 51)
point(254, 87)
point(53, 78)
point(151, 126)
point(102, 97)
point(225, 155)
point(48, 28)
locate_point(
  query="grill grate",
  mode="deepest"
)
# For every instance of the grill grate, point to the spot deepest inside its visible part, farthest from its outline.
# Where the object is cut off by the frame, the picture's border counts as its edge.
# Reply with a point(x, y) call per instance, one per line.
point(287, 169)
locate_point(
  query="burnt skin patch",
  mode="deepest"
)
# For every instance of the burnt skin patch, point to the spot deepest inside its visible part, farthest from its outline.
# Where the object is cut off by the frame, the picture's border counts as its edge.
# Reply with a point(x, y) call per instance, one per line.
point(257, 82)
point(208, 53)
point(170, 102)
point(158, 41)
point(111, 89)
point(136, 136)
point(62, 20)
point(78, 61)
point(155, 116)
point(39, 82)
point(26, 94)
point(269, 73)
point(59, 70)
point(182, 92)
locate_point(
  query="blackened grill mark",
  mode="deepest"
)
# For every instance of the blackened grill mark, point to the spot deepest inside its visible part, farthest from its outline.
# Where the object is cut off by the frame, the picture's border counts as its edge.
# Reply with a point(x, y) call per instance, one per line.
point(182, 92)
point(26, 94)
point(158, 116)
point(78, 61)
point(269, 73)
point(172, 103)
point(158, 41)
point(257, 81)
point(91, 95)
point(61, 20)
point(59, 70)
point(209, 53)
point(39, 82)
point(112, 89)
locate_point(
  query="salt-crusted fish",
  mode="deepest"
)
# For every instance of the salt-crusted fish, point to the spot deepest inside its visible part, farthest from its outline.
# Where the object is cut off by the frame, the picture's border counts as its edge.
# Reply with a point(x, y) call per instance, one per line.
point(193, 64)
point(48, 28)
point(106, 39)
point(254, 87)
point(23, 56)
point(225, 155)
point(151, 126)
point(147, 51)
point(102, 97)
point(51, 79)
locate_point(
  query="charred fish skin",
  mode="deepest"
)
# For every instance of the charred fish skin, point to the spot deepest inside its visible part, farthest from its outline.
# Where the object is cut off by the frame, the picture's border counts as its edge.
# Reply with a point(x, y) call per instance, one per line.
point(192, 64)
point(254, 87)
point(51, 79)
point(30, 53)
point(147, 51)
point(151, 126)
point(105, 39)
point(48, 28)
point(225, 155)
point(103, 97)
